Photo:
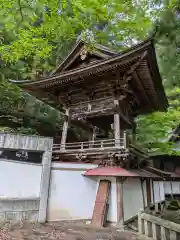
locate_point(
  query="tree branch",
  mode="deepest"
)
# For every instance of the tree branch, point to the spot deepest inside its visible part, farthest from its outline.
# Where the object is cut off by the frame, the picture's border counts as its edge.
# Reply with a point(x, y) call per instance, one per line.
point(20, 9)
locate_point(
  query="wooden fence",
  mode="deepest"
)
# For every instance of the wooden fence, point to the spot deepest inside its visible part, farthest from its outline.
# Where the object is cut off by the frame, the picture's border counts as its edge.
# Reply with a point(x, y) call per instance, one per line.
point(91, 145)
point(156, 228)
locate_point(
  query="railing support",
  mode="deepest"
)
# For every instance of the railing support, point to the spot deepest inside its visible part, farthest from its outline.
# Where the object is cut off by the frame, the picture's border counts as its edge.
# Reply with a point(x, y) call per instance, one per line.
point(117, 129)
point(125, 139)
point(65, 131)
point(89, 145)
point(157, 228)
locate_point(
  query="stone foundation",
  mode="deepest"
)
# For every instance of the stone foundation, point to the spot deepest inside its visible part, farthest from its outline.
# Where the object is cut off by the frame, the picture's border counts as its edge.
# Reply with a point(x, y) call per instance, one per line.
point(21, 209)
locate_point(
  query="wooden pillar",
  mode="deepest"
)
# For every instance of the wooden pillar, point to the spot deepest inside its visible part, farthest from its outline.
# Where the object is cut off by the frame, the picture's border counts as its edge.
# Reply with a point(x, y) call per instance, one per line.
point(171, 190)
point(65, 131)
point(142, 190)
point(134, 132)
point(125, 138)
point(148, 191)
point(117, 129)
point(92, 137)
point(120, 205)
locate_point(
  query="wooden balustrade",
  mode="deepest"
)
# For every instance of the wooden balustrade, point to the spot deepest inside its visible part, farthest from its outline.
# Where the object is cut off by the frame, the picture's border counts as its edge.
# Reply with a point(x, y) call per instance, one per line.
point(156, 228)
point(97, 144)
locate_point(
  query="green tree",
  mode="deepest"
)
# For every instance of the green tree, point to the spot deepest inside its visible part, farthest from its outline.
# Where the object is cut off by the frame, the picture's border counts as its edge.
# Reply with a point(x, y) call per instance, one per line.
point(36, 35)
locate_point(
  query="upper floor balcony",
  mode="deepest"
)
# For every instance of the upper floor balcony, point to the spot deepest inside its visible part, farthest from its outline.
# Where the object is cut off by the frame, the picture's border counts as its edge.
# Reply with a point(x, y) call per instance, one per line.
point(91, 146)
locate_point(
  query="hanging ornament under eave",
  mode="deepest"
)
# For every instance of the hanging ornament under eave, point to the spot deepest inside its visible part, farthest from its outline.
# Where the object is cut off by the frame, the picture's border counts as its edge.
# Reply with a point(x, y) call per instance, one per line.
point(84, 53)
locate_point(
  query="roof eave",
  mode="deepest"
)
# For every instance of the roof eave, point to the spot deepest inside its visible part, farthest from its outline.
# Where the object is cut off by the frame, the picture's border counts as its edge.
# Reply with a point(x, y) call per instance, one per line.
point(131, 51)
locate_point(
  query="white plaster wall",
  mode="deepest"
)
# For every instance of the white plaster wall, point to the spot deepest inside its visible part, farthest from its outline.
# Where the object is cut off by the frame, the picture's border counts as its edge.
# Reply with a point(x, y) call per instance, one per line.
point(71, 195)
point(158, 191)
point(112, 210)
point(175, 187)
point(19, 180)
point(132, 197)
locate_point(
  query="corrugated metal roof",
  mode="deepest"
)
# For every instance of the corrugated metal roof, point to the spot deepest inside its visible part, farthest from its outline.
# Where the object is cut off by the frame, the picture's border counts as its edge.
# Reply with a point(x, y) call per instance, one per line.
point(118, 172)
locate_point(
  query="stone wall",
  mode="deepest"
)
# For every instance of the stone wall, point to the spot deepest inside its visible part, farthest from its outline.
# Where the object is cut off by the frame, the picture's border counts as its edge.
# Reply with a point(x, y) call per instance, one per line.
point(16, 210)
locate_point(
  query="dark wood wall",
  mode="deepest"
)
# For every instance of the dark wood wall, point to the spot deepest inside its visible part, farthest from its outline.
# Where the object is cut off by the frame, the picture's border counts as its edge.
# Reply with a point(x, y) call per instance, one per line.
point(167, 163)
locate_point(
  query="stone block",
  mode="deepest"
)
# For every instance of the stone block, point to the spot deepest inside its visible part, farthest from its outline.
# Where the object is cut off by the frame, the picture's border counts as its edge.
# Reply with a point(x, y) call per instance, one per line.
point(11, 216)
point(31, 216)
point(19, 205)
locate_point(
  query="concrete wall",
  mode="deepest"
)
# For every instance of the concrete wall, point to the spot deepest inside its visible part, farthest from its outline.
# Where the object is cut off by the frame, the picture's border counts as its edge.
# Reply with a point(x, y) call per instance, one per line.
point(71, 195)
point(132, 197)
point(22, 180)
point(14, 209)
point(19, 180)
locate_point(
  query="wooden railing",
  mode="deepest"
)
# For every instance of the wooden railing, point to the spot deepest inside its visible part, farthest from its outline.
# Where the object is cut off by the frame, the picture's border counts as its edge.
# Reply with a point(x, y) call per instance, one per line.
point(156, 228)
point(97, 144)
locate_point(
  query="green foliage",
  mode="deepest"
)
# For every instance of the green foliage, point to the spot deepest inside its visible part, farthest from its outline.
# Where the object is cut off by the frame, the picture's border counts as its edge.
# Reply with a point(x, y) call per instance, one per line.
point(36, 35)
point(154, 129)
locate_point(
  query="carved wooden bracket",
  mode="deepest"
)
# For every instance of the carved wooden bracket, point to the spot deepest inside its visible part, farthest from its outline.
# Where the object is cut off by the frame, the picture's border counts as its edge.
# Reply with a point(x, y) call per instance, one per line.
point(81, 157)
point(84, 53)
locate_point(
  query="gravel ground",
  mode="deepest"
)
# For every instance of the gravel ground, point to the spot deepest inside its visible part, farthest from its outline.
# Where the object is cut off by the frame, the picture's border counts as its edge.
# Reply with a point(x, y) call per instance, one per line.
point(61, 231)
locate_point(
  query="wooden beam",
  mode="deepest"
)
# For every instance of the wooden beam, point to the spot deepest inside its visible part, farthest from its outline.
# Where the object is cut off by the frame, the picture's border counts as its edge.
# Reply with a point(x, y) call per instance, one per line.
point(73, 59)
point(82, 124)
point(120, 204)
point(101, 204)
point(135, 65)
point(92, 114)
point(123, 116)
point(100, 86)
point(142, 190)
point(102, 112)
point(64, 132)
point(134, 132)
point(135, 76)
point(117, 127)
point(148, 191)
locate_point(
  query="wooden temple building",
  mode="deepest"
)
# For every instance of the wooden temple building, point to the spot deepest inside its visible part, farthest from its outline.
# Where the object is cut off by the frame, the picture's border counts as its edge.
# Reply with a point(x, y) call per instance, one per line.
point(102, 91)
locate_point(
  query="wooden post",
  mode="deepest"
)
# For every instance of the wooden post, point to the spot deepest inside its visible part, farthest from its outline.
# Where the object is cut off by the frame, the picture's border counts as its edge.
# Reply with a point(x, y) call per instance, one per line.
point(154, 231)
point(142, 190)
point(120, 205)
point(148, 191)
point(125, 138)
point(171, 190)
point(140, 223)
point(64, 132)
point(134, 132)
point(92, 137)
point(153, 200)
point(117, 129)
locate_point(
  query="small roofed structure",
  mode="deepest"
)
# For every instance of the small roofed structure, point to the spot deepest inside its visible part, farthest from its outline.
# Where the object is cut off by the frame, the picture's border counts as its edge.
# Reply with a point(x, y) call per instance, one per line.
point(119, 172)
point(103, 91)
